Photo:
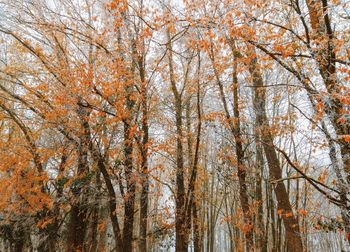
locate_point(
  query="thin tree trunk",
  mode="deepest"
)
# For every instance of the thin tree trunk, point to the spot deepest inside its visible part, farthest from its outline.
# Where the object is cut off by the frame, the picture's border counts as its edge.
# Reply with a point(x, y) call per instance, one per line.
point(261, 241)
point(194, 202)
point(144, 161)
point(112, 201)
point(181, 231)
point(236, 132)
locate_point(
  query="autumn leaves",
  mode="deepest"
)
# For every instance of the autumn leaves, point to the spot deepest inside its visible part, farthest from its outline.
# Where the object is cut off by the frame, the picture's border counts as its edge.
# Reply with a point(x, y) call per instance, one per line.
point(150, 121)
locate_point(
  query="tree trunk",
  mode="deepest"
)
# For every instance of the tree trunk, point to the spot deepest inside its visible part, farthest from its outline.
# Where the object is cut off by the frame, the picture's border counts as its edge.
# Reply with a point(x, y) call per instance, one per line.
point(181, 232)
point(129, 198)
point(236, 132)
point(78, 221)
point(144, 162)
point(293, 238)
point(261, 241)
point(91, 244)
point(194, 201)
point(322, 28)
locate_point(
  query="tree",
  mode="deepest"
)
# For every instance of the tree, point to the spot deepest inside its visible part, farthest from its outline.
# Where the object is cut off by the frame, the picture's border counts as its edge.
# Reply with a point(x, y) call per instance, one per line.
point(134, 125)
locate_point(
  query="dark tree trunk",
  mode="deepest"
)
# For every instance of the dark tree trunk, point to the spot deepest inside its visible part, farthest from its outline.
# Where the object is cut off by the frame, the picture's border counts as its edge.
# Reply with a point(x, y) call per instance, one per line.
point(130, 176)
point(194, 201)
point(144, 161)
point(292, 237)
point(181, 231)
point(112, 202)
point(236, 132)
point(78, 221)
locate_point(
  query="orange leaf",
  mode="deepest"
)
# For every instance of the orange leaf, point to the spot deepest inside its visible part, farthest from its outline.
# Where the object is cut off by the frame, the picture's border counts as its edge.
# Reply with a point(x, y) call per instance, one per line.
point(289, 215)
point(303, 212)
